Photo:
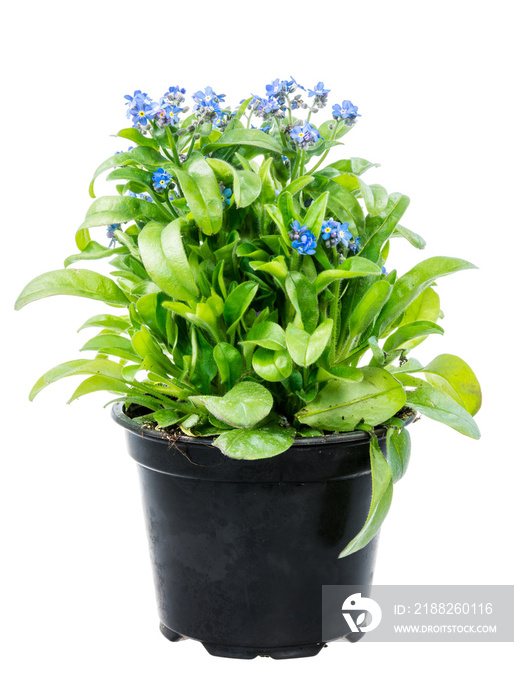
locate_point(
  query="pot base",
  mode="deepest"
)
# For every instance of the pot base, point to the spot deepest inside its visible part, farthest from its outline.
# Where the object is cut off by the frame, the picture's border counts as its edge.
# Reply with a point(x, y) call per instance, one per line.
point(292, 652)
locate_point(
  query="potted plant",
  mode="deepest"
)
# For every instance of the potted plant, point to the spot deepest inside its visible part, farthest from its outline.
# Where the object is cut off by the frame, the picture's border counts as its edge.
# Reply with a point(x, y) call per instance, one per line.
point(261, 362)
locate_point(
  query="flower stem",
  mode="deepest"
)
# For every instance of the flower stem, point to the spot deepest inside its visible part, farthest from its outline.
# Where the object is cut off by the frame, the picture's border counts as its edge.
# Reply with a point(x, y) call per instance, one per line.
point(320, 161)
point(335, 288)
point(160, 206)
point(172, 142)
point(296, 163)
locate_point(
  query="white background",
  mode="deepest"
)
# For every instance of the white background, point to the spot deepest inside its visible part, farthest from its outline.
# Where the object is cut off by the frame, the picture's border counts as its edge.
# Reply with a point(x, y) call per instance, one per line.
point(433, 82)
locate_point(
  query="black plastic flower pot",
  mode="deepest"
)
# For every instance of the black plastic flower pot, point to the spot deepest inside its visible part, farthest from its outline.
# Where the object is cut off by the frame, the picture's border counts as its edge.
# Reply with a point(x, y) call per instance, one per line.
point(241, 549)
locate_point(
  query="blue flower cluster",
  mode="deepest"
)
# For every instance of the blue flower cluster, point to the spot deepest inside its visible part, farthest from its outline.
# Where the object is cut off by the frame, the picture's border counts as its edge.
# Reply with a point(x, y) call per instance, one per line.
point(319, 90)
point(278, 100)
point(111, 234)
point(269, 106)
point(334, 232)
point(320, 94)
point(305, 134)
point(141, 108)
point(355, 246)
point(167, 114)
point(161, 180)
point(175, 94)
point(346, 110)
point(226, 196)
point(303, 240)
point(281, 88)
point(277, 96)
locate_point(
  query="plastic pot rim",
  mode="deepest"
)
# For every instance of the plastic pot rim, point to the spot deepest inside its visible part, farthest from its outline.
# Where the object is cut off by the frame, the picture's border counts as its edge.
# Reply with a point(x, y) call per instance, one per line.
point(354, 437)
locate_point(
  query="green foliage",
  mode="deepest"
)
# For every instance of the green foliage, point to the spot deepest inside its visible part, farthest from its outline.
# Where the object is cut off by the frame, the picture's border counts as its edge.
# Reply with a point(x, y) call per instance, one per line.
point(382, 495)
point(230, 330)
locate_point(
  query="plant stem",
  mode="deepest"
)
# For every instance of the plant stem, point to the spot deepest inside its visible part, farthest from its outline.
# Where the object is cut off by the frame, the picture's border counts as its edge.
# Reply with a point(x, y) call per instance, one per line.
point(295, 165)
point(289, 110)
point(160, 206)
point(302, 162)
point(171, 141)
point(282, 135)
point(320, 161)
point(170, 205)
point(335, 288)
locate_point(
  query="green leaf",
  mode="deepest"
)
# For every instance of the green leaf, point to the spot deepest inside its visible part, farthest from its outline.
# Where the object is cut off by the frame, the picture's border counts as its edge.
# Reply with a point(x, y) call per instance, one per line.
point(456, 378)
point(425, 307)
point(414, 238)
point(247, 184)
point(237, 303)
point(410, 331)
point(137, 137)
point(203, 317)
point(350, 268)
point(398, 452)
point(410, 285)
point(345, 207)
point(164, 417)
point(276, 216)
point(142, 177)
point(245, 137)
point(99, 383)
point(106, 368)
point(153, 314)
point(202, 192)
point(357, 166)
point(247, 187)
point(148, 157)
point(316, 214)
point(143, 343)
point(118, 210)
point(349, 374)
point(242, 407)
point(272, 365)
point(94, 251)
point(375, 197)
point(304, 348)
point(381, 498)
point(276, 267)
point(412, 365)
point(82, 238)
point(436, 404)
point(369, 307)
point(298, 184)
point(379, 228)
point(266, 335)
point(229, 362)
point(82, 283)
point(304, 298)
point(112, 323)
point(165, 260)
point(112, 344)
point(268, 186)
point(286, 207)
point(243, 107)
point(203, 366)
point(342, 405)
point(258, 443)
